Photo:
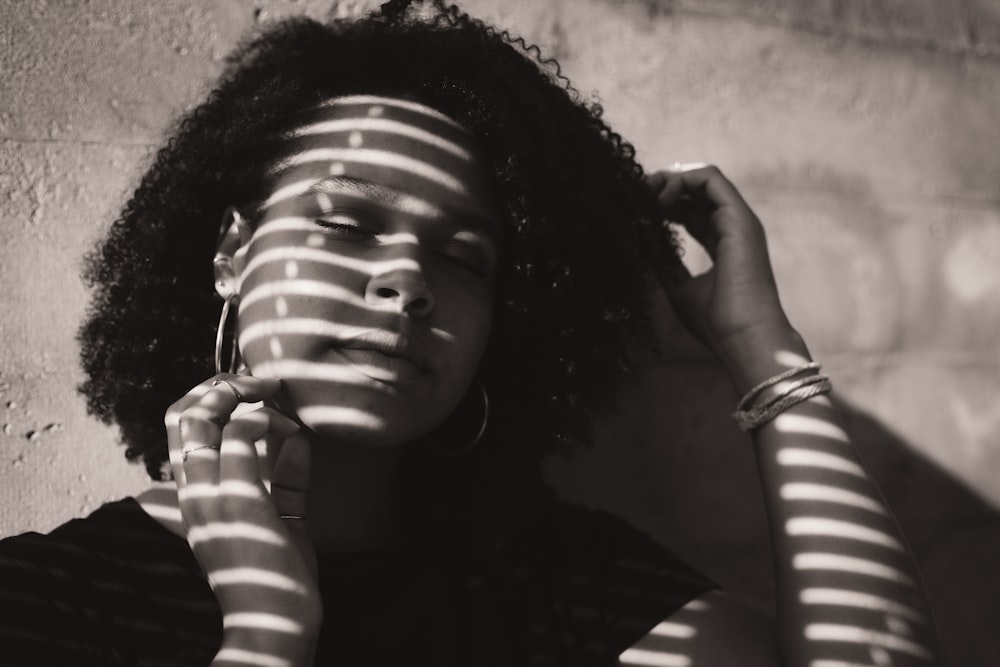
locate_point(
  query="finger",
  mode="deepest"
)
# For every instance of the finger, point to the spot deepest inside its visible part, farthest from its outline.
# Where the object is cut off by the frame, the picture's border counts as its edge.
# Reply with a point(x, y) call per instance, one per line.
point(678, 205)
point(201, 462)
point(697, 255)
point(712, 209)
point(678, 167)
point(171, 420)
point(290, 481)
point(671, 183)
point(231, 390)
point(289, 493)
point(201, 429)
point(667, 186)
point(238, 461)
point(695, 217)
point(656, 181)
point(197, 418)
point(708, 182)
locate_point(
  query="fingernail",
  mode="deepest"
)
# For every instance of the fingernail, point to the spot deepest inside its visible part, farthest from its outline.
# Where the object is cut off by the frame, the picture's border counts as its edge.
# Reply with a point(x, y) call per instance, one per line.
point(687, 166)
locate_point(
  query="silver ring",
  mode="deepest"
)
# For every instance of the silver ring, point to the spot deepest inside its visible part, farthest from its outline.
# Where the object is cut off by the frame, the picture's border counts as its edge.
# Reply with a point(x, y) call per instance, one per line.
point(239, 396)
point(292, 516)
point(185, 452)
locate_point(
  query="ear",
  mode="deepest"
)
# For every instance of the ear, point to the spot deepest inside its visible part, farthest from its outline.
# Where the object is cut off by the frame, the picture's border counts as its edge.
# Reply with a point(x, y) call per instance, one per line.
point(234, 238)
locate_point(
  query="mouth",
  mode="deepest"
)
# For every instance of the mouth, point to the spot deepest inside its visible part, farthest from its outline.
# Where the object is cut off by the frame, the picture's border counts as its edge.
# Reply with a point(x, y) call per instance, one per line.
point(386, 356)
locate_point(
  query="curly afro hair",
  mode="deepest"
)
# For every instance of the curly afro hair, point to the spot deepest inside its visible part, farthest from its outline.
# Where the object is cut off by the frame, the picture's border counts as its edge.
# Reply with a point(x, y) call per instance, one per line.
point(572, 291)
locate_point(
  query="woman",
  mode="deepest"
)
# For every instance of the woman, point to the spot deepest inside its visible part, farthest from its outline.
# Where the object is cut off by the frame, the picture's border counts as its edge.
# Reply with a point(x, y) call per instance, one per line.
point(431, 263)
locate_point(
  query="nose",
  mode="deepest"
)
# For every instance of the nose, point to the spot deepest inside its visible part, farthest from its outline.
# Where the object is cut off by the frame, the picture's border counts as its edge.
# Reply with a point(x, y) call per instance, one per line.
point(402, 289)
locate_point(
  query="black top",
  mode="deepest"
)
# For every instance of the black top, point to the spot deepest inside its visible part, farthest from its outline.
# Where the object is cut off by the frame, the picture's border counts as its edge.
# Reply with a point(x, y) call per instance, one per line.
point(117, 588)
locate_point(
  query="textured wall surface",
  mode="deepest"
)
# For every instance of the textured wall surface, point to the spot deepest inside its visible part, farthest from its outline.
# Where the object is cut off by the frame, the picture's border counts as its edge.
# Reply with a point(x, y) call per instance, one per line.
point(864, 133)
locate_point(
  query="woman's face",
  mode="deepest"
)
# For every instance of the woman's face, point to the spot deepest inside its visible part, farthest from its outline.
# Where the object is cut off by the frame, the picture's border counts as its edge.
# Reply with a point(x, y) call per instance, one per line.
point(367, 285)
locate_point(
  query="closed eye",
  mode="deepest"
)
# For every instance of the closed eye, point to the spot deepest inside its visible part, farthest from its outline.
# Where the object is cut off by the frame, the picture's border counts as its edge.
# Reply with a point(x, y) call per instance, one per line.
point(466, 256)
point(345, 226)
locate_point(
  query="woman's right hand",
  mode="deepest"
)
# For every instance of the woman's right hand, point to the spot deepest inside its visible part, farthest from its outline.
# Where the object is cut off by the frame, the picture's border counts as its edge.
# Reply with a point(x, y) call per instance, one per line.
point(734, 307)
point(262, 568)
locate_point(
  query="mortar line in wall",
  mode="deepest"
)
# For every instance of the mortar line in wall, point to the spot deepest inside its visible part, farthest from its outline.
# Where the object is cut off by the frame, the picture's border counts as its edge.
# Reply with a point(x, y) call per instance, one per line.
point(817, 195)
point(865, 360)
point(928, 45)
point(81, 142)
point(904, 199)
point(873, 360)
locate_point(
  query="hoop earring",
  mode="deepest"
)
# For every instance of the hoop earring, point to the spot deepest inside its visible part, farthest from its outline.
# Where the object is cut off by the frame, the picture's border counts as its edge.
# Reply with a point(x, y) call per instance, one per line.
point(220, 334)
point(486, 417)
point(479, 433)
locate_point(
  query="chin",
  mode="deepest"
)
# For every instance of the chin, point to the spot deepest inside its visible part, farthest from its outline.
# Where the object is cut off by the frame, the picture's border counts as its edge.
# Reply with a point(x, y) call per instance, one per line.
point(368, 412)
point(362, 428)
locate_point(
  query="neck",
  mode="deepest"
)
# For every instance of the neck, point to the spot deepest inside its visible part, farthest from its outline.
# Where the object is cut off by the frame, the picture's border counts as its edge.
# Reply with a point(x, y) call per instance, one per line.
point(351, 502)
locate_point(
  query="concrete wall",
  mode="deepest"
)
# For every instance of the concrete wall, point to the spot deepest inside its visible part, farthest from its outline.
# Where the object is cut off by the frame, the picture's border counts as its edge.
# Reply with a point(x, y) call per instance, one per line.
point(864, 133)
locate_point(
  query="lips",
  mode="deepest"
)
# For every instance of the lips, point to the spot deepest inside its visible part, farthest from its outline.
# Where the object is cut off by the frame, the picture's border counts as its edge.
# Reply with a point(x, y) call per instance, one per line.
point(386, 356)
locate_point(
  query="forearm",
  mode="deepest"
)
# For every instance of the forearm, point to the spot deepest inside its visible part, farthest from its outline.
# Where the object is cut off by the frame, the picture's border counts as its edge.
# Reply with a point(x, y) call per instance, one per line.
point(848, 588)
point(265, 647)
point(267, 626)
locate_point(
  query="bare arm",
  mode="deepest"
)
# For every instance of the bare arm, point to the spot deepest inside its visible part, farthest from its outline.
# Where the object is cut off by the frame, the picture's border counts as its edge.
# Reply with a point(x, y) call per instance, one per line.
point(848, 591)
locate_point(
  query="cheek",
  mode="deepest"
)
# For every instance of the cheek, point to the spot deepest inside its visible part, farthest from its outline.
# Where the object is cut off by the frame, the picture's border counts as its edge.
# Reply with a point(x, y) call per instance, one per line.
point(467, 324)
point(482, 326)
point(294, 303)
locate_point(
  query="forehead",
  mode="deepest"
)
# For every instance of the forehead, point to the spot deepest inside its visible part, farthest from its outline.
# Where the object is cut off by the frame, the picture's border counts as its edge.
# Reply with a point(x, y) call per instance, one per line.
point(398, 144)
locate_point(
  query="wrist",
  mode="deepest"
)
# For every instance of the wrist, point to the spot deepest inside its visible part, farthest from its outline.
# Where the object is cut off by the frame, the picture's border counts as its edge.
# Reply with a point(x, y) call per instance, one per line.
point(285, 637)
point(762, 352)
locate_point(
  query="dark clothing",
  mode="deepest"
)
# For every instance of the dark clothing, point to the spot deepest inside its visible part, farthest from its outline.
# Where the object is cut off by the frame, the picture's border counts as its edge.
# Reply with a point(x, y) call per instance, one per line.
point(116, 588)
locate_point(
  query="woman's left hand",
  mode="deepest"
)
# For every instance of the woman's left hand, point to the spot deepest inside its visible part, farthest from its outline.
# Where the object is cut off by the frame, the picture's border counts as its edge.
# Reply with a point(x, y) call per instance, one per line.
point(250, 541)
point(734, 307)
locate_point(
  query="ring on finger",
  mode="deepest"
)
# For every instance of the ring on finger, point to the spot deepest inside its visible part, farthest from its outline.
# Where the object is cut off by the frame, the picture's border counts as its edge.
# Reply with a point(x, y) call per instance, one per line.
point(239, 396)
point(185, 452)
point(292, 516)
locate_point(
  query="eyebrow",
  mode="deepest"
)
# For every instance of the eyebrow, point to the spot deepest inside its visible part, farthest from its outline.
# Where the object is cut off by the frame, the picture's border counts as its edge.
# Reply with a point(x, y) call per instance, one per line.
point(365, 188)
point(387, 196)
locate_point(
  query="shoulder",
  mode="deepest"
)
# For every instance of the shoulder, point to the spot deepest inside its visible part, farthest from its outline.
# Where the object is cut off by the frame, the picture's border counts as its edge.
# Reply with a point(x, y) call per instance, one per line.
point(612, 549)
point(609, 582)
point(100, 588)
point(76, 542)
point(654, 607)
point(713, 629)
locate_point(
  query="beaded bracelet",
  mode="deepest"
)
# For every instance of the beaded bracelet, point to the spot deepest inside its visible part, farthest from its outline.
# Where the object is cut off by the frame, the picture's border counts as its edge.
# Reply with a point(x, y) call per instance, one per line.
point(795, 392)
